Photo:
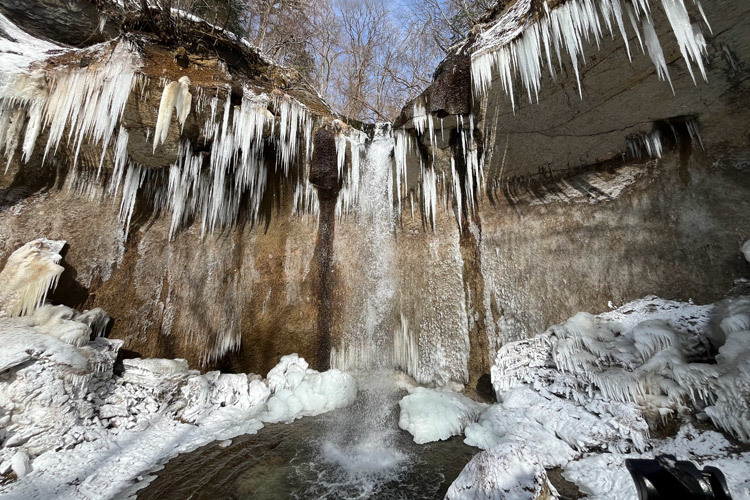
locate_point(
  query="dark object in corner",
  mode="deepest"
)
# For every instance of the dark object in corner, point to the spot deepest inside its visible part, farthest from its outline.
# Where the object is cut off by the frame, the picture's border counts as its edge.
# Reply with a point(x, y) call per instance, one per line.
point(666, 477)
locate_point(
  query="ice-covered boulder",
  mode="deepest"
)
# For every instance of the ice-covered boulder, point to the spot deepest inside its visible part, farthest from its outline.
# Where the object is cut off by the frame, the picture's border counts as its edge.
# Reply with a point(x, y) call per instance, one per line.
point(431, 415)
point(508, 471)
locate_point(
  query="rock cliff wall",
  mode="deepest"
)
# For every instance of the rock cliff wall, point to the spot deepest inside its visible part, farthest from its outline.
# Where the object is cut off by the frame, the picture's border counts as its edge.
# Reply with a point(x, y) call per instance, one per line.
point(567, 218)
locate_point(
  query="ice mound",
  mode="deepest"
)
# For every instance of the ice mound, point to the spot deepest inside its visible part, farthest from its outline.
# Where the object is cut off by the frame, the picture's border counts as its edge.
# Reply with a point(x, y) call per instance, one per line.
point(28, 275)
point(299, 391)
point(431, 415)
point(509, 471)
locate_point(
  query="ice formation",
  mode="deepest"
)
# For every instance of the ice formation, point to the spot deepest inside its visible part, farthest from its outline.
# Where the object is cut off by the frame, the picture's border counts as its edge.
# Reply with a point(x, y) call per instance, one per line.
point(68, 423)
point(579, 395)
point(434, 190)
point(353, 140)
point(431, 415)
point(70, 413)
point(176, 96)
point(237, 166)
point(647, 363)
point(297, 391)
point(29, 274)
point(84, 106)
point(517, 44)
point(509, 471)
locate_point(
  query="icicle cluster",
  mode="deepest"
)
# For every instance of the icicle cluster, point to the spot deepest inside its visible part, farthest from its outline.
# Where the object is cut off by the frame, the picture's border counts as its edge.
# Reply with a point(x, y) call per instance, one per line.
point(514, 46)
point(353, 140)
point(85, 106)
point(86, 102)
point(236, 164)
point(434, 189)
point(651, 145)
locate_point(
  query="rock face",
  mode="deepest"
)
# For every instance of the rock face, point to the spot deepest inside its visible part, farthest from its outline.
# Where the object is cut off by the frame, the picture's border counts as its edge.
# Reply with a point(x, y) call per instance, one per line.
point(565, 220)
point(570, 218)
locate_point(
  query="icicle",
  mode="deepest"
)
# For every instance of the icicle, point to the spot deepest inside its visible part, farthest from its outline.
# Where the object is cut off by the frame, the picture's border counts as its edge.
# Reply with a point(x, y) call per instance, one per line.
point(694, 131)
point(175, 95)
point(429, 194)
point(689, 37)
point(132, 182)
point(401, 149)
point(655, 52)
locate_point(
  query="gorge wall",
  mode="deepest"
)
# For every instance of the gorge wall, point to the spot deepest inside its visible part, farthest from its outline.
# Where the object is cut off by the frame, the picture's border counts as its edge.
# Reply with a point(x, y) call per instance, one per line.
point(567, 217)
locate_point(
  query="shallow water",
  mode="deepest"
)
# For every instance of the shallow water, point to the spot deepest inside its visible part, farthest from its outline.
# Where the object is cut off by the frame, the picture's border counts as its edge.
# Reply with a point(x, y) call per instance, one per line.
point(353, 453)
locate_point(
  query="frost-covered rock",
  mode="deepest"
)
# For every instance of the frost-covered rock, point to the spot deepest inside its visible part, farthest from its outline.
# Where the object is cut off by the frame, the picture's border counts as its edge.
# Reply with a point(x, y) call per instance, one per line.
point(634, 355)
point(509, 471)
point(49, 387)
point(650, 353)
point(431, 415)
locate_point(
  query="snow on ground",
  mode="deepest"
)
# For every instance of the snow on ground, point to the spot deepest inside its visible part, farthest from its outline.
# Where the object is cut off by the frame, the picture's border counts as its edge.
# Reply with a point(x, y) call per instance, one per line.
point(583, 395)
point(92, 434)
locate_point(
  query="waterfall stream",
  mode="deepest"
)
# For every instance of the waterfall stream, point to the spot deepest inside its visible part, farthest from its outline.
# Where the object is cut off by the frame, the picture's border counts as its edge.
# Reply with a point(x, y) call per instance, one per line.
point(368, 343)
point(357, 452)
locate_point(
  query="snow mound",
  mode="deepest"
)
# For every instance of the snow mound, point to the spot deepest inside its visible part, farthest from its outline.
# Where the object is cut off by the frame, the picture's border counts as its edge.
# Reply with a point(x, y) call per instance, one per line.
point(431, 415)
point(28, 275)
point(746, 250)
point(509, 471)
